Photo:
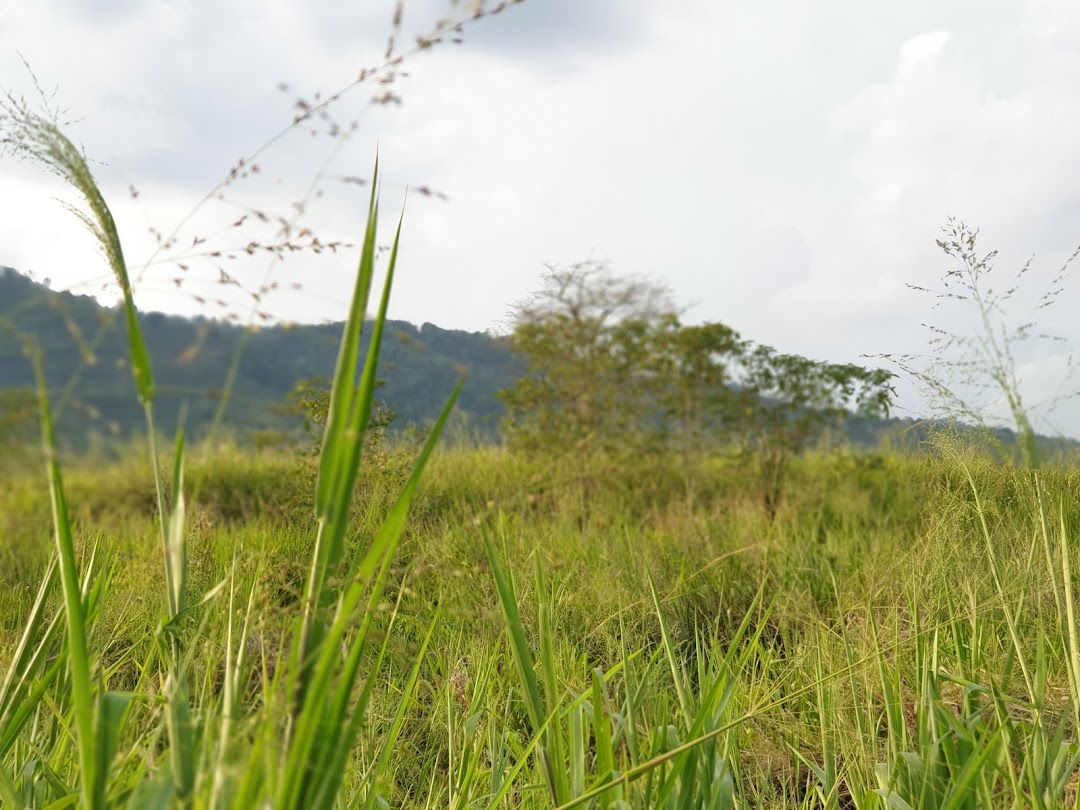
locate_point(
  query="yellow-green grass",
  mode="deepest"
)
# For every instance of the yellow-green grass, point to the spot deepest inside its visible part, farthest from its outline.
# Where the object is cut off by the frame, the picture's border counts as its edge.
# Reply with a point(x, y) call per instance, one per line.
point(859, 637)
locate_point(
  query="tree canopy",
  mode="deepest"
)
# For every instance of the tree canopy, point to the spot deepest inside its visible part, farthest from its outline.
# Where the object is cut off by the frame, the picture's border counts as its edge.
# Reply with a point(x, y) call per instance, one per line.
point(612, 369)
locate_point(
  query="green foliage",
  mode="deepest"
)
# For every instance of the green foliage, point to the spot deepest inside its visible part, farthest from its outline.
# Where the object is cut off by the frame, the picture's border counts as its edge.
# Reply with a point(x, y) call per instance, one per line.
point(784, 403)
point(700, 364)
point(590, 339)
point(309, 399)
point(17, 417)
point(313, 710)
point(855, 650)
point(421, 366)
point(612, 371)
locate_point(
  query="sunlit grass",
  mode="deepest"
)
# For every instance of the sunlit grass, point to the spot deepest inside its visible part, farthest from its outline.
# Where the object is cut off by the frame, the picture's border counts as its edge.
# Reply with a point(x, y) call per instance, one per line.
point(259, 629)
point(864, 648)
point(191, 740)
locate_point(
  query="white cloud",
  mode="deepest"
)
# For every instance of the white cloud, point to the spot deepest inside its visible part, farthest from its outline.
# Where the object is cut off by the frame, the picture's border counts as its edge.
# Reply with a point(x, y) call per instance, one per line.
point(920, 53)
point(785, 168)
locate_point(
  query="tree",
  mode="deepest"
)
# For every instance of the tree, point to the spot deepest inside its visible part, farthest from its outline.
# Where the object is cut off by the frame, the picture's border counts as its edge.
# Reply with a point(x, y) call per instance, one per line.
point(612, 370)
point(590, 339)
point(786, 401)
point(700, 365)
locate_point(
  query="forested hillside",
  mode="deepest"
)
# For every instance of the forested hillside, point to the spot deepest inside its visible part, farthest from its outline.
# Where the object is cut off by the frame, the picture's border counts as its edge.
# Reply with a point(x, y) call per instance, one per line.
point(84, 348)
point(85, 355)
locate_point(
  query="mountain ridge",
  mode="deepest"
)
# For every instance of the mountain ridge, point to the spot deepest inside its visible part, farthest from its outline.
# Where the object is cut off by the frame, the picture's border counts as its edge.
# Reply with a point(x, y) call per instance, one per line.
point(419, 365)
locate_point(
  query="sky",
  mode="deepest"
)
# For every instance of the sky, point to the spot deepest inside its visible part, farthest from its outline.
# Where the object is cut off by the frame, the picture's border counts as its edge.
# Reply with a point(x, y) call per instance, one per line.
point(783, 167)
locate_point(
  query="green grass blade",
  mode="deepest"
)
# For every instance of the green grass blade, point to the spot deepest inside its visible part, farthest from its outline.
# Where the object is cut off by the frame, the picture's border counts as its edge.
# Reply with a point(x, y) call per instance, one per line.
point(79, 653)
point(9, 794)
point(344, 382)
point(676, 674)
point(1072, 646)
point(321, 688)
point(310, 721)
point(407, 694)
point(342, 439)
point(112, 709)
point(176, 552)
point(523, 660)
point(23, 682)
point(555, 747)
point(335, 750)
point(605, 757)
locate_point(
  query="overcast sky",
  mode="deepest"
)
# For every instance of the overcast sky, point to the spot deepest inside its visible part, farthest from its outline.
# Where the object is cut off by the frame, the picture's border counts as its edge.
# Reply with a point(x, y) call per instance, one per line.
point(784, 167)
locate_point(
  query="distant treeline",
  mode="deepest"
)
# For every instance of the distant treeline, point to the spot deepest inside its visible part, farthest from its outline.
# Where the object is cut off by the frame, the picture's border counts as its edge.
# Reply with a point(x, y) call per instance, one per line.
point(86, 367)
point(85, 352)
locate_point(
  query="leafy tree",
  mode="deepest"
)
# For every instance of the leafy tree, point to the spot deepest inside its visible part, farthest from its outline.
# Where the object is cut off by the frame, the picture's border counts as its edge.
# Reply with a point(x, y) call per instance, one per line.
point(786, 401)
point(700, 365)
point(592, 384)
point(612, 370)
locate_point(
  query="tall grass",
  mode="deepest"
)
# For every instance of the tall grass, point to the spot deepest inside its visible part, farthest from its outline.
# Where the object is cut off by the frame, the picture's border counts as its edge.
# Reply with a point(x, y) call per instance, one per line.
point(297, 750)
point(856, 651)
point(524, 632)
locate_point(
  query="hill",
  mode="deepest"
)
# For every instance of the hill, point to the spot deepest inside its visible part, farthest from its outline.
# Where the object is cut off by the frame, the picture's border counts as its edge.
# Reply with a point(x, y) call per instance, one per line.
point(84, 347)
point(85, 353)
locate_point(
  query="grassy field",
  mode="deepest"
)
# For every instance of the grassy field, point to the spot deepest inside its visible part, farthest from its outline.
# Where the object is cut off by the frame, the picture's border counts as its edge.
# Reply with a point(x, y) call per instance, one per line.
point(900, 634)
point(214, 627)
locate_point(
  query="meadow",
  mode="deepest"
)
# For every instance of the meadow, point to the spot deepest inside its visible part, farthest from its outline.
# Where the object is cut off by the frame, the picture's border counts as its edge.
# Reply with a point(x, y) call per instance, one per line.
point(433, 624)
point(900, 634)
